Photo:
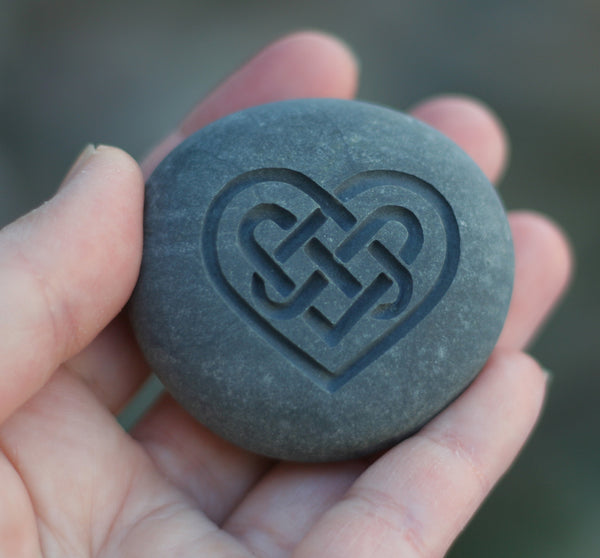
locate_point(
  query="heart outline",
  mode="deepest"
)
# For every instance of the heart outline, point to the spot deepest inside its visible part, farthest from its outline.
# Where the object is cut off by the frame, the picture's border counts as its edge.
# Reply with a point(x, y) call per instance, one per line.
point(333, 207)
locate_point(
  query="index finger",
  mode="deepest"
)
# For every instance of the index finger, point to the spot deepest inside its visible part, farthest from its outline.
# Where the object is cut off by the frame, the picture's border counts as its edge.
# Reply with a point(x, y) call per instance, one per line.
point(67, 269)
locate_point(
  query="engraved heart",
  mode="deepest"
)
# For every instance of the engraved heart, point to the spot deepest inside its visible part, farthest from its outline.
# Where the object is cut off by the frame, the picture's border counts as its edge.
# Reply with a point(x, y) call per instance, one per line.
point(332, 277)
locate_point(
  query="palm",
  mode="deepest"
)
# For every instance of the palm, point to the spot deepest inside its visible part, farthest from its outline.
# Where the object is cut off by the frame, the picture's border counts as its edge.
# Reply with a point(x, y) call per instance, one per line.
point(74, 484)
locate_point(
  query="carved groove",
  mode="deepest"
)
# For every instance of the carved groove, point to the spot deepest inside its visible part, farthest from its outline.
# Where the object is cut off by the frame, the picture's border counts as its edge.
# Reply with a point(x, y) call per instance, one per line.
point(293, 307)
point(400, 276)
point(333, 333)
point(344, 280)
point(370, 226)
point(256, 253)
point(299, 236)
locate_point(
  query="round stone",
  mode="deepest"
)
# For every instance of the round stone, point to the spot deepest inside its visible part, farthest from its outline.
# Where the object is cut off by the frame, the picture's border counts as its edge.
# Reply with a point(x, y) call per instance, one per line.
point(320, 277)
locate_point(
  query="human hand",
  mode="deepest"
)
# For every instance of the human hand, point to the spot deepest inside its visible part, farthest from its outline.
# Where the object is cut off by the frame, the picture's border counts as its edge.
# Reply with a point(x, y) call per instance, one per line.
point(73, 483)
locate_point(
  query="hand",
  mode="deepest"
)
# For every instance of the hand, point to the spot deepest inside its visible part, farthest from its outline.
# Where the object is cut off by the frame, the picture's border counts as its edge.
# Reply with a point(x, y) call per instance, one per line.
point(73, 483)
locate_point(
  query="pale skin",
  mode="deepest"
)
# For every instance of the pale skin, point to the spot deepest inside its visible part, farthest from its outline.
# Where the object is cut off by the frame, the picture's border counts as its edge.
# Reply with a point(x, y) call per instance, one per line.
point(74, 484)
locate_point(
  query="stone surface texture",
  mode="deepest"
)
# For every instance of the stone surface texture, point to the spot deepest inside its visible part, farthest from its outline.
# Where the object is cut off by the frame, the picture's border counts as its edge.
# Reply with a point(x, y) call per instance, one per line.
point(320, 277)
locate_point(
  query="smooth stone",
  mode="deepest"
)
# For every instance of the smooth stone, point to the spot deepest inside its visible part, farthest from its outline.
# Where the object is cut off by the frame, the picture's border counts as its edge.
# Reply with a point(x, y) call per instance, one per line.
point(320, 277)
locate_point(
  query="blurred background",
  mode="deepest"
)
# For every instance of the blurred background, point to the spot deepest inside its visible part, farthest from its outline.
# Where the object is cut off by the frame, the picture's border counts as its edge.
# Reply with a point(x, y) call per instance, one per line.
point(124, 72)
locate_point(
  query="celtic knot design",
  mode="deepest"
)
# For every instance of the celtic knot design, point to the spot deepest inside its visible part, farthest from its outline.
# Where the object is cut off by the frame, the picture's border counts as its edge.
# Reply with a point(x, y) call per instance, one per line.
point(330, 267)
point(331, 278)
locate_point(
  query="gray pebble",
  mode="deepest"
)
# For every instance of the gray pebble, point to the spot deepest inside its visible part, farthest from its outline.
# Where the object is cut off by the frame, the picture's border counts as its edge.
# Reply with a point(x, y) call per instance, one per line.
point(320, 277)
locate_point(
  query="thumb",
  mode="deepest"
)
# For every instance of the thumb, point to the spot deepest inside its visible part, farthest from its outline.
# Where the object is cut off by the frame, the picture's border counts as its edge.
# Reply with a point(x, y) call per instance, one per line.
point(66, 269)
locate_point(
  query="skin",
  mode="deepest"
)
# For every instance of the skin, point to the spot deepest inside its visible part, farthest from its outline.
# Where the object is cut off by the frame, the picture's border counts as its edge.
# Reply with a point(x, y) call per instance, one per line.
point(75, 484)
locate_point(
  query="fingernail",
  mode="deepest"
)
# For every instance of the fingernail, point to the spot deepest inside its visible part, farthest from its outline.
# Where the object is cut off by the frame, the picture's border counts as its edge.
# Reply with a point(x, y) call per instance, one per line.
point(79, 164)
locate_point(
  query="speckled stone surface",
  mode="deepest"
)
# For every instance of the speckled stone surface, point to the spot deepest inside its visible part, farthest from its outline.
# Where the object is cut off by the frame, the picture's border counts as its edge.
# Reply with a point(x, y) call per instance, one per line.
point(320, 277)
